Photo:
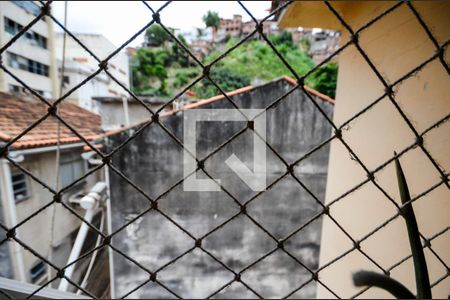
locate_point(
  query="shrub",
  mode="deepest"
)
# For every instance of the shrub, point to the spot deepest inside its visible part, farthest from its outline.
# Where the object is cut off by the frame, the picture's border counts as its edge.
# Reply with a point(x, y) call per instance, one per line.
point(227, 79)
point(324, 79)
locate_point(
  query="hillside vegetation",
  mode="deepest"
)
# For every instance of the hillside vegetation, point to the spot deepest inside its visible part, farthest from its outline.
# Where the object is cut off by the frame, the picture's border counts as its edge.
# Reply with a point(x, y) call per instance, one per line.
point(165, 70)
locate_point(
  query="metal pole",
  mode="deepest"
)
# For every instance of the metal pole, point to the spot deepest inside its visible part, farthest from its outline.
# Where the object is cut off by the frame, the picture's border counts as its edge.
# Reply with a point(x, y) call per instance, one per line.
point(75, 253)
point(17, 255)
point(109, 230)
point(125, 111)
point(90, 203)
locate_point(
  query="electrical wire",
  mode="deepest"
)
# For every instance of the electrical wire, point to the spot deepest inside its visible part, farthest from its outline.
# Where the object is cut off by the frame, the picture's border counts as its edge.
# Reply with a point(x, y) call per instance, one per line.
point(58, 150)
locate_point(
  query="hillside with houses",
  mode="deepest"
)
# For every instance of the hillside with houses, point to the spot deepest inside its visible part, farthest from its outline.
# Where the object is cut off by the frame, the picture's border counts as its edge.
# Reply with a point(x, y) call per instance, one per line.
point(172, 68)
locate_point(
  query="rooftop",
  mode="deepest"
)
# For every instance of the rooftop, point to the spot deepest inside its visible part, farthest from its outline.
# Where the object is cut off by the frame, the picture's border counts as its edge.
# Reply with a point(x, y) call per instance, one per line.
point(146, 99)
point(17, 114)
point(249, 88)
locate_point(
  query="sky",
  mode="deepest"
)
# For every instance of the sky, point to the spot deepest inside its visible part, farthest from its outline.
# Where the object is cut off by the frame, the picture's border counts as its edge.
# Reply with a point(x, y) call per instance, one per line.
point(119, 20)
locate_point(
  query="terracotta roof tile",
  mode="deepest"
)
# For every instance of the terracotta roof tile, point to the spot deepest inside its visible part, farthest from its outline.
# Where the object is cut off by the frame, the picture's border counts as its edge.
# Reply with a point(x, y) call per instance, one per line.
point(17, 114)
point(311, 90)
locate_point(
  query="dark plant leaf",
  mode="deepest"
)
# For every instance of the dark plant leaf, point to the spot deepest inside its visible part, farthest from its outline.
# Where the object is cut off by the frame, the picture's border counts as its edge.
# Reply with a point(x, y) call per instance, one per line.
point(367, 278)
point(420, 265)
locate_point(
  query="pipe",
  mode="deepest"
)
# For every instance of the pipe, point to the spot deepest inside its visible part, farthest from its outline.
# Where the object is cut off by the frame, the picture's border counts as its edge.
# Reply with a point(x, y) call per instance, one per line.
point(45, 149)
point(125, 111)
point(112, 282)
point(93, 257)
point(90, 203)
point(10, 207)
point(76, 249)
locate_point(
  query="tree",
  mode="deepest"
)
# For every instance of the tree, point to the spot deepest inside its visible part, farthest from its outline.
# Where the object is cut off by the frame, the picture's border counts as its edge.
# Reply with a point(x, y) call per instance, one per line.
point(212, 20)
point(200, 33)
point(156, 36)
point(305, 43)
point(256, 59)
point(181, 79)
point(180, 55)
point(284, 37)
point(226, 78)
point(148, 65)
point(324, 79)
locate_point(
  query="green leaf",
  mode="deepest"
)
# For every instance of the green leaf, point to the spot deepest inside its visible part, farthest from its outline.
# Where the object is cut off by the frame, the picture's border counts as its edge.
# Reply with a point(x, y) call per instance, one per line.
point(420, 265)
point(366, 278)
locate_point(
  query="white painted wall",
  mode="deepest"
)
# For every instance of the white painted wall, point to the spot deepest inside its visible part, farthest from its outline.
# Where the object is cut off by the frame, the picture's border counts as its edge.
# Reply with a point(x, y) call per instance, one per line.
point(36, 232)
point(101, 85)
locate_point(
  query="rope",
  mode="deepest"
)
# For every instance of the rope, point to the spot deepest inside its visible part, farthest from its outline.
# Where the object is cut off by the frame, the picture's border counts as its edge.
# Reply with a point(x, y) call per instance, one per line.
point(58, 150)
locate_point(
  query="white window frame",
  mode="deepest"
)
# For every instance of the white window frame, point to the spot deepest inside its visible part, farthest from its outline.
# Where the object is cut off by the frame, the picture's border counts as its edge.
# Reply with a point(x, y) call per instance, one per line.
point(71, 158)
point(26, 188)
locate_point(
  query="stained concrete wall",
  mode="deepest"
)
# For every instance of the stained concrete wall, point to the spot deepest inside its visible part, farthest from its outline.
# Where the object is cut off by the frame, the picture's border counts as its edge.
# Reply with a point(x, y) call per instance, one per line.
point(154, 162)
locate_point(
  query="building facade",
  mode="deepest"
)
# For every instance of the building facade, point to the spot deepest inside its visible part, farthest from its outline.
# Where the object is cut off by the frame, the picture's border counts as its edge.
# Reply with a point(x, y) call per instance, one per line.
point(232, 27)
point(79, 65)
point(32, 57)
point(119, 112)
point(396, 44)
point(21, 195)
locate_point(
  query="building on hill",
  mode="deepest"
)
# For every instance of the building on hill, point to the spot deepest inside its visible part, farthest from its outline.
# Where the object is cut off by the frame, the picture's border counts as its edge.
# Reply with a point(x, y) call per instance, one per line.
point(21, 195)
point(231, 27)
point(200, 48)
point(79, 65)
point(193, 34)
point(323, 42)
point(269, 27)
point(235, 27)
point(32, 57)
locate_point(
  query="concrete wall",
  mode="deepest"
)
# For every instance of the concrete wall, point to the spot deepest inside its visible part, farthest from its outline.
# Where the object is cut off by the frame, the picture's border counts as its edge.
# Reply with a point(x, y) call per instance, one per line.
point(154, 162)
point(113, 115)
point(396, 44)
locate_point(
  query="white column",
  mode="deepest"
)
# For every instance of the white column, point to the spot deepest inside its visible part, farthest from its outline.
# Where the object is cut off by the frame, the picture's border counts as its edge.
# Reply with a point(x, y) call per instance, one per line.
point(9, 204)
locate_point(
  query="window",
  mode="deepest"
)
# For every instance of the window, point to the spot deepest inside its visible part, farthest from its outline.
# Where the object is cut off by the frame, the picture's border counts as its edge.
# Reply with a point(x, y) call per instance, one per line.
point(29, 6)
point(66, 79)
point(72, 168)
point(32, 37)
point(15, 89)
point(20, 90)
point(20, 186)
point(11, 27)
point(37, 271)
point(22, 63)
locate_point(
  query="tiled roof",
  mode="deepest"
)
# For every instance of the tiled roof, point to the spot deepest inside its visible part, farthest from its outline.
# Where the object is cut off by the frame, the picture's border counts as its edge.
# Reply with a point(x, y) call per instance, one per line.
point(17, 114)
point(311, 90)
